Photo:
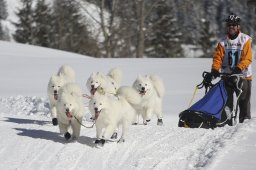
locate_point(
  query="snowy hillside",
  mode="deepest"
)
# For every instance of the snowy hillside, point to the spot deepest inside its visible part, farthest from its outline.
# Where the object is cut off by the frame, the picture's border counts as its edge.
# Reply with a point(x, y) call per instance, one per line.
point(29, 141)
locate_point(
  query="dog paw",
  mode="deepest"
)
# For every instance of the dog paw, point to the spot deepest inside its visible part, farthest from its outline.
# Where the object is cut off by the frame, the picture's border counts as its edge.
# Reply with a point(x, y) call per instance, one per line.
point(54, 121)
point(121, 140)
point(100, 141)
point(160, 122)
point(114, 136)
point(145, 123)
point(67, 135)
point(97, 141)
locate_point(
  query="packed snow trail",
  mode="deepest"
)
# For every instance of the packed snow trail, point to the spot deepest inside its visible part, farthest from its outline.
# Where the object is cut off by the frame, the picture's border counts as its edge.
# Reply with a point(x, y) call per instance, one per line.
point(30, 141)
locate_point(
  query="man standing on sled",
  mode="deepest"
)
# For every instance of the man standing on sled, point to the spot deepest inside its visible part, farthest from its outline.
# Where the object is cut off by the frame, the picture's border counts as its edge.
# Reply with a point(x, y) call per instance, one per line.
point(233, 55)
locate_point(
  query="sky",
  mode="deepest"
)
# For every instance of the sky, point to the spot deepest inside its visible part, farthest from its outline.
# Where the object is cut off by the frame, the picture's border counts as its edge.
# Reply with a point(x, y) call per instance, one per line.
point(30, 141)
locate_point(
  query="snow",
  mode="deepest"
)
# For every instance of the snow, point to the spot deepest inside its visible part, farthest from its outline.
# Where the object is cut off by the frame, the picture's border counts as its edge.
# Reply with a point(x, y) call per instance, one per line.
point(30, 141)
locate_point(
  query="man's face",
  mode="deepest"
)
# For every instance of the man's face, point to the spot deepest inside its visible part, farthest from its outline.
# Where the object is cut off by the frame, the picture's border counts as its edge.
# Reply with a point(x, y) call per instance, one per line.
point(232, 28)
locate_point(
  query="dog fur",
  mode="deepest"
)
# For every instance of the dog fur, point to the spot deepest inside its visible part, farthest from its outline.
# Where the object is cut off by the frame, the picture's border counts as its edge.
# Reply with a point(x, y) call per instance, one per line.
point(110, 112)
point(151, 89)
point(70, 110)
point(64, 75)
point(104, 84)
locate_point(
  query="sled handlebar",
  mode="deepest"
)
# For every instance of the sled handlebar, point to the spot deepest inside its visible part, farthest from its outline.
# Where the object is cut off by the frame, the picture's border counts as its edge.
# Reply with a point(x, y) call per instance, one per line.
point(202, 84)
point(223, 74)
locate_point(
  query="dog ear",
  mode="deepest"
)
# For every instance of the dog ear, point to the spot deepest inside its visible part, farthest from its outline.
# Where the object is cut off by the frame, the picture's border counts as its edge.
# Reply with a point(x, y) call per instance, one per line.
point(146, 76)
point(139, 77)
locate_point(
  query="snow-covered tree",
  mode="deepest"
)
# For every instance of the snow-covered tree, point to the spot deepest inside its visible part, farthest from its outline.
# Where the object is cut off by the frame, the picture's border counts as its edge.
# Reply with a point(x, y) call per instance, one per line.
point(42, 27)
point(163, 38)
point(208, 39)
point(70, 32)
point(24, 26)
point(3, 16)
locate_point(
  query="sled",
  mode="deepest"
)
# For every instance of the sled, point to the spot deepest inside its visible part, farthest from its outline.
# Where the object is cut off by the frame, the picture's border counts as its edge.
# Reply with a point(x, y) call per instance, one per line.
point(211, 110)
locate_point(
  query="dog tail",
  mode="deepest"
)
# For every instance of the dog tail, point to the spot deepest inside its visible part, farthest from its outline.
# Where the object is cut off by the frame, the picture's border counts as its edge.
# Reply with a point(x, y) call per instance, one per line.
point(130, 94)
point(116, 74)
point(67, 72)
point(158, 85)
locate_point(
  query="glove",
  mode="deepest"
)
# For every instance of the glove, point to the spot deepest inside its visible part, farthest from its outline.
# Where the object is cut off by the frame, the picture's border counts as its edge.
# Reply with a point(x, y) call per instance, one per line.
point(215, 73)
point(231, 81)
point(208, 79)
point(236, 70)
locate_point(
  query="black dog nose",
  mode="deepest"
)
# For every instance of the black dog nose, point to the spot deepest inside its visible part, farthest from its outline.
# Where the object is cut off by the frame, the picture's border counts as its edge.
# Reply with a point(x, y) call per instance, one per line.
point(143, 88)
point(67, 109)
point(92, 86)
point(55, 91)
point(96, 109)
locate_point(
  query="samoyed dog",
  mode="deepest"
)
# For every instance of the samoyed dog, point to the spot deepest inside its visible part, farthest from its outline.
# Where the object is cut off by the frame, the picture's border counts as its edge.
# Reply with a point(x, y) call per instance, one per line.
point(64, 75)
point(70, 110)
point(110, 112)
point(104, 84)
point(151, 89)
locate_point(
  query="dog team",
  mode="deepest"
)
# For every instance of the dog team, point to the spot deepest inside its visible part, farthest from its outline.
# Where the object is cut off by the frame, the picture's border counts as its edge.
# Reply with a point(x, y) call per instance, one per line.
point(113, 107)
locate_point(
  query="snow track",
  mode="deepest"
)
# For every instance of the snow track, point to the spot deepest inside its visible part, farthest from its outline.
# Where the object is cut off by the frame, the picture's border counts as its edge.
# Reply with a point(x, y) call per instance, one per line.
point(29, 141)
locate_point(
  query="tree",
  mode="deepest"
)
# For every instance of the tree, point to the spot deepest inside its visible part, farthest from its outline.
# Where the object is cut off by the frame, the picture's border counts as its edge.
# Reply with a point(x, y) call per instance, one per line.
point(70, 32)
point(42, 28)
point(24, 27)
point(208, 39)
point(163, 38)
point(3, 16)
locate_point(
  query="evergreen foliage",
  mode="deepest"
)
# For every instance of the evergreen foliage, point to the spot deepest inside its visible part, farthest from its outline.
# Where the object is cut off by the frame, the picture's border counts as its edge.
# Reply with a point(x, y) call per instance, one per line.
point(163, 38)
point(24, 27)
point(166, 25)
point(42, 28)
point(3, 16)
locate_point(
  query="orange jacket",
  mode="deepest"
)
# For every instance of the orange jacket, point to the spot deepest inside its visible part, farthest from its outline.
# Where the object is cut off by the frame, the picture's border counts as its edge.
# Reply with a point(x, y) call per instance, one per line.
point(245, 58)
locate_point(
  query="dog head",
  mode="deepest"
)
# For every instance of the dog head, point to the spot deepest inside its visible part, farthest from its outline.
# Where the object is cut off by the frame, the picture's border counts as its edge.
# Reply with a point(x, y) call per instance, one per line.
point(55, 83)
point(94, 82)
point(97, 105)
point(68, 105)
point(143, 85)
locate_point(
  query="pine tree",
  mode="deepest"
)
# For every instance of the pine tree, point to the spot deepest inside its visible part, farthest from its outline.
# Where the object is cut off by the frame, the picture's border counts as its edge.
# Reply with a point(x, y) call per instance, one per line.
point(3, 16)
point(42, 28)
point(70, 32)
point(208, 39)
point(164, 37)
point(24, 27)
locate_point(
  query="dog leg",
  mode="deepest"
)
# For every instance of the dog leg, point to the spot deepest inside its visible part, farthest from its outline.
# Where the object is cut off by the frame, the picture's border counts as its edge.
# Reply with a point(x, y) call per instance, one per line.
point(108, 131)
point(54, 116)
point(136, 119)
point(63, 128)
point(124, 131)
point(149, 114)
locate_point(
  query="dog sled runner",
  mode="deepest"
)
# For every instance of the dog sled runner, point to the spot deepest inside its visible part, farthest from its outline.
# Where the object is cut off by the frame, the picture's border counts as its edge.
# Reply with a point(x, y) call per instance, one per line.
point(211, 110)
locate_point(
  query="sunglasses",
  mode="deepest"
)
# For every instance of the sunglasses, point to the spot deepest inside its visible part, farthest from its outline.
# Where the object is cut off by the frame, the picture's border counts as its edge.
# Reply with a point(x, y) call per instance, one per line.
point(232, 24)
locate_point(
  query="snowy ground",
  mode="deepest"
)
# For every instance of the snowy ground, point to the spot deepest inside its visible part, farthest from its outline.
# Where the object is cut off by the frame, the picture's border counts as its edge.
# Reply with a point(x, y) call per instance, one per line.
point(29, 141)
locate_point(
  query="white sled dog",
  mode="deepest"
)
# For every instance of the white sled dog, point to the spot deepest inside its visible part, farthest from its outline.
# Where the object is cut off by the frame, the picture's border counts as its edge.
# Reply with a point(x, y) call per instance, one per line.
point(110, 112)
point(104, 84)
point(70, 110)
point(151, 89)
point(64, 75)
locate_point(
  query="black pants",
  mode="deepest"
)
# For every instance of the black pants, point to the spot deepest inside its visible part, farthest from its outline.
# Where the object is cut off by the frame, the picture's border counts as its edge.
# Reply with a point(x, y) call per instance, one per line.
point(244, 102)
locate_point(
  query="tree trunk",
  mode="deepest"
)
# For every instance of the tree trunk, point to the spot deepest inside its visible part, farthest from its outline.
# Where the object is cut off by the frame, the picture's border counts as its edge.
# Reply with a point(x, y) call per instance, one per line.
point(141, 31)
